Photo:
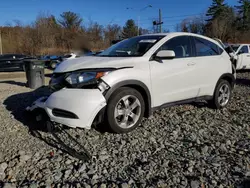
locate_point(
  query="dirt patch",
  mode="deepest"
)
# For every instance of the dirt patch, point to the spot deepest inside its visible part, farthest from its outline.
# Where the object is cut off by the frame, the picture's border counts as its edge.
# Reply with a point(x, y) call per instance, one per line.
point(12, 75)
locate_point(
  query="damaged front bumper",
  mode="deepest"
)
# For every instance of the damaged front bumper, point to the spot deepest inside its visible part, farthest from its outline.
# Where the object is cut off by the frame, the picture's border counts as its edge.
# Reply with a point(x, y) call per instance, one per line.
point(72, 107)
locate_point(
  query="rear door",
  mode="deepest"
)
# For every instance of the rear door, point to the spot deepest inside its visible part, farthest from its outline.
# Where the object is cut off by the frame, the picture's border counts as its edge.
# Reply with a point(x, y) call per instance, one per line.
point(243, 57)
point(210, 64)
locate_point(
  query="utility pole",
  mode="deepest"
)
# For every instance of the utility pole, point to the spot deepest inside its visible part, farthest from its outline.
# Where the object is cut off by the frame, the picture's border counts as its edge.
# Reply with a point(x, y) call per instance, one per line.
point(160, 21)
point(1, 45)
point(138, 25)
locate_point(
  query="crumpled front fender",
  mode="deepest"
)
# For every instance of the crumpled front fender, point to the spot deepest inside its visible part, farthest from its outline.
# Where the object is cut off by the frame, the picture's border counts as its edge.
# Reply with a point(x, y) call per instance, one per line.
point(85, 104)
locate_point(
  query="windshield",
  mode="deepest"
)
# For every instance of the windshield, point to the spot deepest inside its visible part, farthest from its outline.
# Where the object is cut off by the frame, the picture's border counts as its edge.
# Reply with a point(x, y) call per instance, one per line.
point(136, 46)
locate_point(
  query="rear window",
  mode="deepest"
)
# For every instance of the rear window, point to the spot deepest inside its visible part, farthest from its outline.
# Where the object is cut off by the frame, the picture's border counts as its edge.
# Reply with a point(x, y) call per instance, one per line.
point(244, 49)
point(206, 48)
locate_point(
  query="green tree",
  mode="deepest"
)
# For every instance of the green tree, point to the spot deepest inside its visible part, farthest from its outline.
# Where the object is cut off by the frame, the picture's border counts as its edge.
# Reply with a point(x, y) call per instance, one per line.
point(222, 26)
point(216, 10)
point(70, 20)
point(130, 29)
point(244, 14)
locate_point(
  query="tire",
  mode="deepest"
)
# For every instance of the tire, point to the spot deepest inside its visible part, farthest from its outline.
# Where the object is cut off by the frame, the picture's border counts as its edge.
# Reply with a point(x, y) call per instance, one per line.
point(119, 116)
point(220, 101)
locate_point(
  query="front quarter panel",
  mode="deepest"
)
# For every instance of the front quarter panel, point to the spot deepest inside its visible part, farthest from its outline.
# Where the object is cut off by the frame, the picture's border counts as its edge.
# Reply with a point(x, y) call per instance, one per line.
point(138, 74)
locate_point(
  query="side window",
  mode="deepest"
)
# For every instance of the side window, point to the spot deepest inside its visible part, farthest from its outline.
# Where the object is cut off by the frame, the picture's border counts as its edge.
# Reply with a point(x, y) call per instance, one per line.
point(206, 48)
point(244, 50)
point(180, 45)
point(8, 56)
point(19, 56)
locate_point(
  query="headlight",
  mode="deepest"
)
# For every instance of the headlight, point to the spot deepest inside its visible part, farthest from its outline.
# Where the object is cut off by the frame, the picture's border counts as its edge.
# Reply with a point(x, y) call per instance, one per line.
point(57, 82)
point(85, 78)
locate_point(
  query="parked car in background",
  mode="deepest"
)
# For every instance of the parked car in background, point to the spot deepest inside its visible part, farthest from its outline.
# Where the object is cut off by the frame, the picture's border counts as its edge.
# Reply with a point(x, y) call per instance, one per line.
point(69, 56)
point(98, 52)
point(51, 60)
point(241, 56)
point(137, 76)
point(13, 62)
point(115, 41)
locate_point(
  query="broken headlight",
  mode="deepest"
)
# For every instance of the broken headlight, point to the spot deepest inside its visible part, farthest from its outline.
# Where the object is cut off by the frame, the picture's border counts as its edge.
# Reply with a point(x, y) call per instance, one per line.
point(84, 78)
point(57, 82)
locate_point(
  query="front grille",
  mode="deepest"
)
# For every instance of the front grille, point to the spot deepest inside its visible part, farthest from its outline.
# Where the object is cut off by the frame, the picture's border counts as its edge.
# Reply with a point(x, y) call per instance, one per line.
point(64, 114)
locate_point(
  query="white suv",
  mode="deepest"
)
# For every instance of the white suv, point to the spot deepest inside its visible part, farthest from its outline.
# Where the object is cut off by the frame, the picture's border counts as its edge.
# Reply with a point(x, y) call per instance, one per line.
point(137, 76)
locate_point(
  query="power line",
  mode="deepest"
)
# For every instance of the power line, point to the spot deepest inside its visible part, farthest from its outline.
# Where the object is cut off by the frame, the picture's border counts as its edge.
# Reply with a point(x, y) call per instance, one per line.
point(186, 15)
point(182, 15)
point(176, 20)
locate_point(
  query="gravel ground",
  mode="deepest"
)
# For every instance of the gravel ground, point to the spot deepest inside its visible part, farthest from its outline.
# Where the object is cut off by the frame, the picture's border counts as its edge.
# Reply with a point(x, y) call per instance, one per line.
point(182, 146)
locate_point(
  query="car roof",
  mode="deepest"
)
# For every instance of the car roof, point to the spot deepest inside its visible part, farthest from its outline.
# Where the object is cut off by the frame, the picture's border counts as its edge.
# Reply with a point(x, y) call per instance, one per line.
point(174, 34)
point(239, 44)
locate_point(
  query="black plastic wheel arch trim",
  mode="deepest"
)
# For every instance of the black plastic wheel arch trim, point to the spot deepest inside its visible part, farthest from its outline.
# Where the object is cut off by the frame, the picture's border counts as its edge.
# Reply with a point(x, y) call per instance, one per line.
point(135, 83)
point(228, 75)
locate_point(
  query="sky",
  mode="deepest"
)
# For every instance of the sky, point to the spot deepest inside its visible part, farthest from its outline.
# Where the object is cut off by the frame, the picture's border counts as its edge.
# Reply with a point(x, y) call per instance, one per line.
point(106, 11)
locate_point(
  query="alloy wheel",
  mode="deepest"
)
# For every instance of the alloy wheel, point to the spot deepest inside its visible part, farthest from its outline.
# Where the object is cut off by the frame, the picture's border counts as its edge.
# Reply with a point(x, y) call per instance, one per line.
point(224, 95)
point(127, 111)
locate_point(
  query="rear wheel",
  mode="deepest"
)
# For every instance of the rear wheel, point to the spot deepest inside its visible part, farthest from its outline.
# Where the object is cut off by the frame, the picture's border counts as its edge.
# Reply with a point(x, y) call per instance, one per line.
point(125, 110)
point(222, 95)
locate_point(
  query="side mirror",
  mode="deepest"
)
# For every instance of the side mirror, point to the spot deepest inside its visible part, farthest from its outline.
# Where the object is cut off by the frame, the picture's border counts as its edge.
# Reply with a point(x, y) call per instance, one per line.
point(165, 54)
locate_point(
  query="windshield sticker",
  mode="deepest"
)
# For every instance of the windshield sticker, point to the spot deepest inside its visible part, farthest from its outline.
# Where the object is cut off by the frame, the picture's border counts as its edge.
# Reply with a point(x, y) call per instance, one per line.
point(148, 41)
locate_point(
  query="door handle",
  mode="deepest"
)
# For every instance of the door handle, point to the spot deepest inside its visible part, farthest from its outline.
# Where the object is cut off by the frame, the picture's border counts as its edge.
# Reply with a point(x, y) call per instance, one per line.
point(191, 64)
point(248, 55)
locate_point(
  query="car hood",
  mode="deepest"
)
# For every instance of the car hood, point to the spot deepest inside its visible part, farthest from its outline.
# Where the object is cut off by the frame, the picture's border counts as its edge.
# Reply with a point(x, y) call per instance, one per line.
point(88, 62)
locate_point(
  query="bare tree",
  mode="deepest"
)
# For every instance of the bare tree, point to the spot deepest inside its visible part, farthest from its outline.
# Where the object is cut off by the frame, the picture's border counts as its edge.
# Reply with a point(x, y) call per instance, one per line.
point(111, 32)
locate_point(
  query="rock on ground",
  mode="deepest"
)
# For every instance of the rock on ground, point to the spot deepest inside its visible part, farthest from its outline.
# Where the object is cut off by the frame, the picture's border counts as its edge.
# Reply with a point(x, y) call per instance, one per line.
point(182, 146)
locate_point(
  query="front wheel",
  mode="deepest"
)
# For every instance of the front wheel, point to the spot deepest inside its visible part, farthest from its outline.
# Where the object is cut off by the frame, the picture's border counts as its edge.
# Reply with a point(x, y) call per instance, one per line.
point(125, 110)
point(222, 95)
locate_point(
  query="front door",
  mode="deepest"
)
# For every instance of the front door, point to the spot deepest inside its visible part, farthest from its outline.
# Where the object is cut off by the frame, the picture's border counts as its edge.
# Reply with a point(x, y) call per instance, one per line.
point(174, 79)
